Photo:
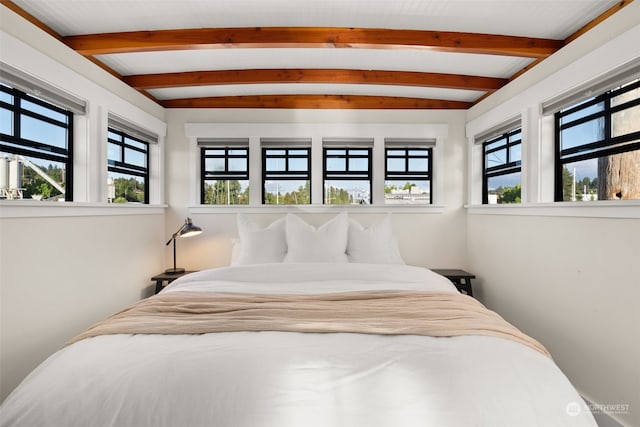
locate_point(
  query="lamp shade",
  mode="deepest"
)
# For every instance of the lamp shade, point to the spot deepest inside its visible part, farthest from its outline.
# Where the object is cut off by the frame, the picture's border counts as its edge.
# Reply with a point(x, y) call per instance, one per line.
point(188, 229)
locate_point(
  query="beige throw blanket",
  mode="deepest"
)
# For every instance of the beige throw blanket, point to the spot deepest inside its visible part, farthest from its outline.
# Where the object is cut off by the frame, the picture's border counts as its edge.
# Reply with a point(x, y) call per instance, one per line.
point(402, 312)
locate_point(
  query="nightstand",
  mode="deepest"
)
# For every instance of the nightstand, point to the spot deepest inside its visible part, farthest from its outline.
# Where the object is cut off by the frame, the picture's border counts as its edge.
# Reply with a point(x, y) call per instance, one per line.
point(163, 279)
point(460, 278)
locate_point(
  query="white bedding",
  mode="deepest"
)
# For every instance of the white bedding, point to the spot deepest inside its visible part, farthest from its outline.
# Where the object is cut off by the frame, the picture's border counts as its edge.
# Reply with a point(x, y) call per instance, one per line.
point(283, 379)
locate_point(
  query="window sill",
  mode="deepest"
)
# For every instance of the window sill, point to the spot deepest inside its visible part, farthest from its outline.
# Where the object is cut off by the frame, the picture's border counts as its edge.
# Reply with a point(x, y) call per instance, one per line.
point(365, 209)
point(33, 209)
point(603, 209)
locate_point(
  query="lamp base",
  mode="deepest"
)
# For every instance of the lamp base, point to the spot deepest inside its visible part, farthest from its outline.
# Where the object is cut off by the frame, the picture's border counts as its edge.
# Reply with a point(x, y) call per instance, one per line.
point(174, 270)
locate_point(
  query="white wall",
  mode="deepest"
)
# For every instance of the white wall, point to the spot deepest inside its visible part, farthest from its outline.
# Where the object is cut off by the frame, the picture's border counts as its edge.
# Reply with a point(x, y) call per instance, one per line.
point(572, 283)
point(568, 280)
point(428, 239)
point(65, 266)
point(60, 275)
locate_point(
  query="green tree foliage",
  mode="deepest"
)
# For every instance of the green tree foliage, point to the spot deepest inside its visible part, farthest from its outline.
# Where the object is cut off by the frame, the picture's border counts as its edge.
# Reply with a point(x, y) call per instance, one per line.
point(508, 194)
point(389, 188)
point(128, 190)
point(586, 188)
point(511, 194)
point(567, 184)
point(338, 196)
point(301, 196)
point(225, 192)
point(35, 185)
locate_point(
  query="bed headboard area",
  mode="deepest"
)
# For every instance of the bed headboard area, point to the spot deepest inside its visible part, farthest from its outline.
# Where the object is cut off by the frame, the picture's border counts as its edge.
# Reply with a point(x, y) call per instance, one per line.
point(419, 238)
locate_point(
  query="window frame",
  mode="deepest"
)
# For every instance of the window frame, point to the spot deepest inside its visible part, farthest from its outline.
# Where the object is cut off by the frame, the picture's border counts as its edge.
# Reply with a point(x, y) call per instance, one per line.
point(508, 167)
point(286, 174)
point(346, 174)
point(34, 149)
point(407, 174)
point(607, 146)
point(225, 175)
point(125, 168)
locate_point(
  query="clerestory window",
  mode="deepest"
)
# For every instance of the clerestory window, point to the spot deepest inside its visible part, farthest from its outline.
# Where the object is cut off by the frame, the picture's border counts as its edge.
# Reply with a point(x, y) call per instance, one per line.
point(36, 147)
point(224, 172)
point(597, 142)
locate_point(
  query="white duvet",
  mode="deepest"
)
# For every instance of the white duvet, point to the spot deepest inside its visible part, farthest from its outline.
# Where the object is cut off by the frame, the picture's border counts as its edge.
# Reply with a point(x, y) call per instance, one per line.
point(282, 379)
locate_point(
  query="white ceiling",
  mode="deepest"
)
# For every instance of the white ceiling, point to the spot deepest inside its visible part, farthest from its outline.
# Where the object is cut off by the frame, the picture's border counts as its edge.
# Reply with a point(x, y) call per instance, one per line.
point(356, 59)
point(555, 19)
point(549, 19)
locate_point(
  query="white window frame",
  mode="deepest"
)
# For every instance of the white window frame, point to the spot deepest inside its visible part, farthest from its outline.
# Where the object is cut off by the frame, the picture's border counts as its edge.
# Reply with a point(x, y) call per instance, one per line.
point(317, 132)
point(349, 144)
point(497, 131)
point(408, 144)
point(538, 151)
point(283, 144)
point(221, 144)
point(151, 139)
point(90, 130)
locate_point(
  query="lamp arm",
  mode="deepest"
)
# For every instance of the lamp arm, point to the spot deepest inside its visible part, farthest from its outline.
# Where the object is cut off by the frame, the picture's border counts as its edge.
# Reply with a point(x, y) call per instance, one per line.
point(175, 235)
point(172, 238)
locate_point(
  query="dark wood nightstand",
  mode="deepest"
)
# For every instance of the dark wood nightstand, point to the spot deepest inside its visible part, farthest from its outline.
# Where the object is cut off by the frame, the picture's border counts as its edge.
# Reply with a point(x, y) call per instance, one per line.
point(460, 278)
point(163, 279)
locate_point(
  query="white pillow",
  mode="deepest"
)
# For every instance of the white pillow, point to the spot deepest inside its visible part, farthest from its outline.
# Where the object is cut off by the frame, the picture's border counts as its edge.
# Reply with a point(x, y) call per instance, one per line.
point(374, 244)
point(257, 245)
point(327, 243)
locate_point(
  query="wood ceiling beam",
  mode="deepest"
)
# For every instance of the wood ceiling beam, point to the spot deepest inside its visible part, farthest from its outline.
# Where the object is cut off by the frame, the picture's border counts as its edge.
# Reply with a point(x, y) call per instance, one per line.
point(298, 75)
point(317, 102)
point(310, 37)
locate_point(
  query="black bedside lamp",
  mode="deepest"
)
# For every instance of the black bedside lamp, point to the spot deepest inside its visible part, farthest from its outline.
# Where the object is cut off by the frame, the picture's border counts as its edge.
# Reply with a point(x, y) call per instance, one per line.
point(186, 230)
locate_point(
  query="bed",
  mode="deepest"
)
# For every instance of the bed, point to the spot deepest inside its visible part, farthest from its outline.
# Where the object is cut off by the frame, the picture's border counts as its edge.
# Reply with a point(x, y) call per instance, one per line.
point(300, 343)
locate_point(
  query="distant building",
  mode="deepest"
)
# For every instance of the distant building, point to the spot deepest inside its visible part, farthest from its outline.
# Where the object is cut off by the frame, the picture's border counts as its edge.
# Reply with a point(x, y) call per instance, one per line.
point(411, 195)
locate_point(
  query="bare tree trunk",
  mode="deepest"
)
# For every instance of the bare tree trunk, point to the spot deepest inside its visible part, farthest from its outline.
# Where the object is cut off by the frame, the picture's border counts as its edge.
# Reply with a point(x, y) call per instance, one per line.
point(619, 176)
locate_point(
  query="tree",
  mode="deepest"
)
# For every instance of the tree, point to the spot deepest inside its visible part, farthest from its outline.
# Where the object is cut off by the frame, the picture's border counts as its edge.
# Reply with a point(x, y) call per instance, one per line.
point(45, 189)
point(619, 174)
point(128, 190)
point(301, 196)
point(35, 185)
point(225, 192)
point(338, 196)
point(567, 184)
point(511, 194)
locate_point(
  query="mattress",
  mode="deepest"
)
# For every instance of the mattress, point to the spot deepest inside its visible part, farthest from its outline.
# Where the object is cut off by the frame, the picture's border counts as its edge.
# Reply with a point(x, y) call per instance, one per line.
point(278, 378)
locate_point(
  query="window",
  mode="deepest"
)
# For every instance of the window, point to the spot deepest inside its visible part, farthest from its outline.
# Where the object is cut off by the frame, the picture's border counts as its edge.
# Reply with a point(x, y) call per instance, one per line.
point(128, 168)
point(36, 147)
point(225, 174)
point(347, 172)
point(286, 172)
point(407, 176)
point(597, 142)
point(501, 168)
